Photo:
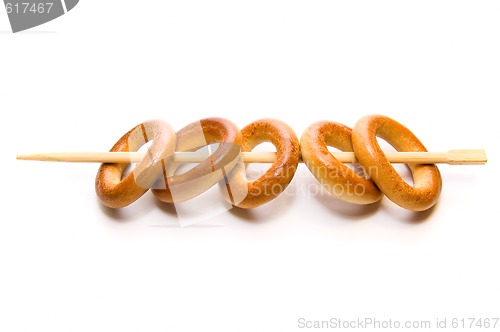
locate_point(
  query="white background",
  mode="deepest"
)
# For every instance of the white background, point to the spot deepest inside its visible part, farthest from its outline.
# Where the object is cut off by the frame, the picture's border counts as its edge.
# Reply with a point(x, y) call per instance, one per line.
point(80, 82)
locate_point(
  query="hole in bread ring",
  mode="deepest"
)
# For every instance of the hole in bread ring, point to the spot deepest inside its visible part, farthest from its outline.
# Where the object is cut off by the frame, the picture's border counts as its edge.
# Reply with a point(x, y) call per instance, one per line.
point(250, 194)
point(334, 176)
point(426, 178)
point(182, 187)
point(115, 192)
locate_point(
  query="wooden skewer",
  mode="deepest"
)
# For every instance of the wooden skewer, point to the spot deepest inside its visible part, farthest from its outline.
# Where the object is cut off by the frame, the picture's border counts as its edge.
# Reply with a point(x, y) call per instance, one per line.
point(452, 157)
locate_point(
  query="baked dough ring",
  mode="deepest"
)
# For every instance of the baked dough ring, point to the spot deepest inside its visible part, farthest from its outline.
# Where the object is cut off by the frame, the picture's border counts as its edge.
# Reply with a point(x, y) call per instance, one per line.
point(182, 187)
point(115, 192)
point(244, 194)
point(337, 178)
point(426, 178)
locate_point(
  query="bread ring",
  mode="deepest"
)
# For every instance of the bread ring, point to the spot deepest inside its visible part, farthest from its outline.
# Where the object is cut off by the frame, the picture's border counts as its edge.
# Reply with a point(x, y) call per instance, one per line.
point(245, 194)
point(115, 192)
point(180, 188)
point(337, 178)
point(426, 178)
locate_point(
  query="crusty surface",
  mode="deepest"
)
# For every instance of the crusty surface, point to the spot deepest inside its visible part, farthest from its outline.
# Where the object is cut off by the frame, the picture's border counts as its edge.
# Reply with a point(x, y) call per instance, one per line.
point(426, 178)
point(185, 186)
point(115, 192)
point(250, 194)
point(337, 178)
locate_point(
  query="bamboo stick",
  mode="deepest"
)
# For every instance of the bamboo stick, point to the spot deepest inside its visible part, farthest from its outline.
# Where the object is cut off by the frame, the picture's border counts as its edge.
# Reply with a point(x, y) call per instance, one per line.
point(452, 157)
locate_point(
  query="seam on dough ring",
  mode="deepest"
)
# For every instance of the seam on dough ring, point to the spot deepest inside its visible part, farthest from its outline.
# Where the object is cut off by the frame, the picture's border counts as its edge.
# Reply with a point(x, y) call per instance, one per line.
point(426, 178)
point(337, 178)
point(115, 192)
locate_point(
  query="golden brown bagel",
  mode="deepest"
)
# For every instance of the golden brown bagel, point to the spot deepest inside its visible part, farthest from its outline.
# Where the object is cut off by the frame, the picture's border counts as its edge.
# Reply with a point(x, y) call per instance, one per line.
point(158, 164)
point(115, 192)
point(180, 188)
point(337, 178)
point(426, 178)
point(245, 194)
